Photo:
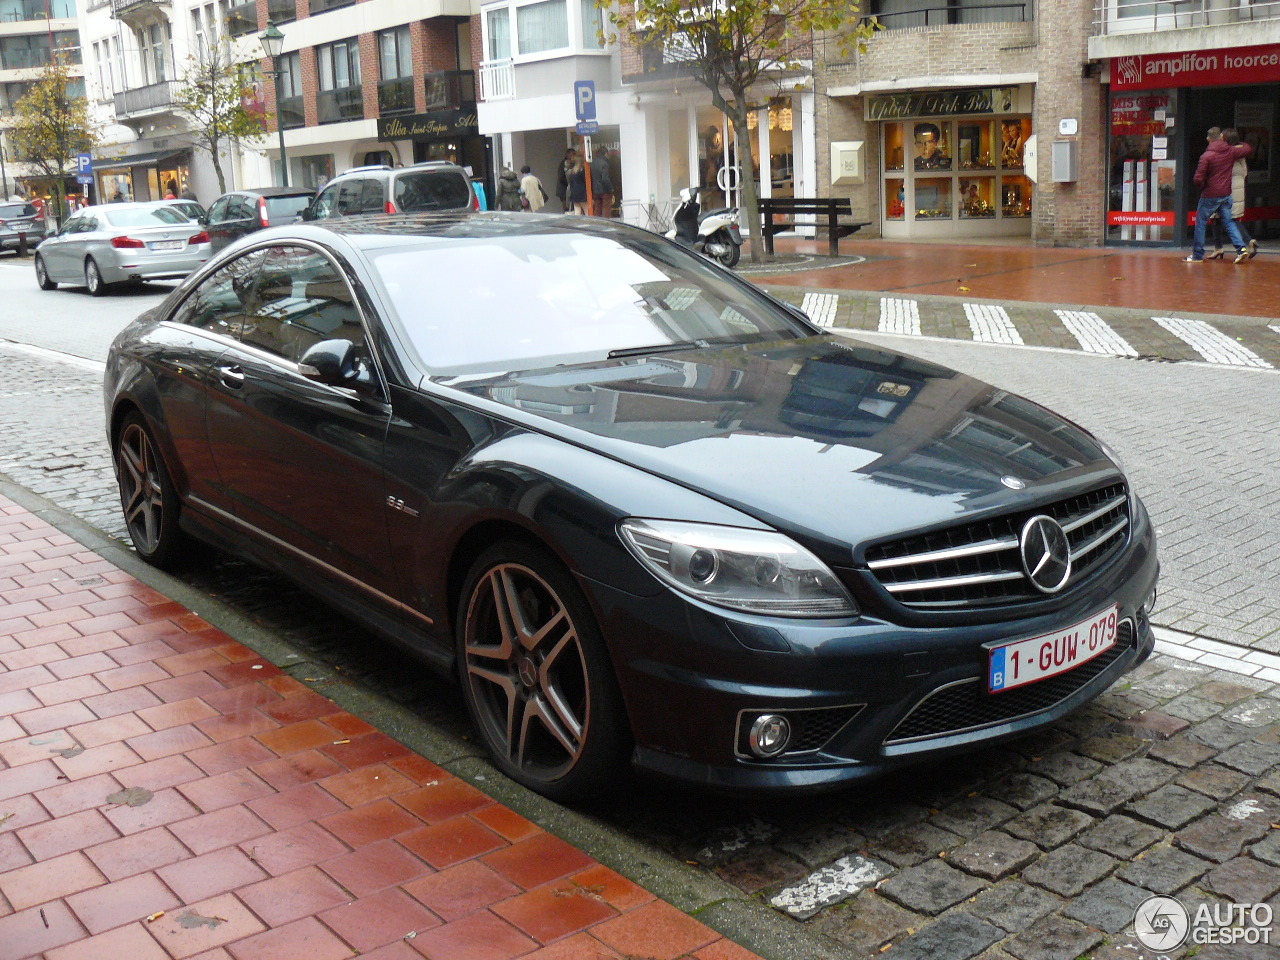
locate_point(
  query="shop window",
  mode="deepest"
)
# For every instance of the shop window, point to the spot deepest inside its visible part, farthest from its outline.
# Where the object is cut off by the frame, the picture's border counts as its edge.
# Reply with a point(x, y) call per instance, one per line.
point(1013, 140)
point(933, 149)
point(974, 139)
point(977, 198)
point(895, 195)
point(311, 171)
point(1015, 196)
point(894, 151)
point(933, 198)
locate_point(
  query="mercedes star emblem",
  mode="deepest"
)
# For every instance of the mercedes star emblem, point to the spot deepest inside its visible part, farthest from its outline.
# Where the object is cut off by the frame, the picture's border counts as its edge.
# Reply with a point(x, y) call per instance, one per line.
point(1046, 553)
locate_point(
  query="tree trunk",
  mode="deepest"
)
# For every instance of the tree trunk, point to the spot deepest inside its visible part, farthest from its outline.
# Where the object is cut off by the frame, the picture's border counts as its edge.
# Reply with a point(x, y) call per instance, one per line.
point(214, 152)
point(746, 164)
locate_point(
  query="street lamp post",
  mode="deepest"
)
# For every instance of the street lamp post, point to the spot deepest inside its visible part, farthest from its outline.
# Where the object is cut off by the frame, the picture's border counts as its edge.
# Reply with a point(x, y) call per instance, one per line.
point(272, 43)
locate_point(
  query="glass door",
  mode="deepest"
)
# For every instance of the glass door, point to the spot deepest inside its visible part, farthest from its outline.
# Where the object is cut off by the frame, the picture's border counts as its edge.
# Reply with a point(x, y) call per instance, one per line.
point(720, 175)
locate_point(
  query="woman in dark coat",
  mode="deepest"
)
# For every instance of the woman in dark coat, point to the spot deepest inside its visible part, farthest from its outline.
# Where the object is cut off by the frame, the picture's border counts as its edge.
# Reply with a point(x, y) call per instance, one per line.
point(508, 197)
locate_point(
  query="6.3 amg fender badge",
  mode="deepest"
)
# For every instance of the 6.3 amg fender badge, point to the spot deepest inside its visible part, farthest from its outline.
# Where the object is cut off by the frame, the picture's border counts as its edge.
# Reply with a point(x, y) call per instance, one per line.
point(1046, 553)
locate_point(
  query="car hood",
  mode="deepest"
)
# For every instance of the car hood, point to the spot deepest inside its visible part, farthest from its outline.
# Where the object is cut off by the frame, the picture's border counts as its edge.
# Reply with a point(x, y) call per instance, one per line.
point(833, 440)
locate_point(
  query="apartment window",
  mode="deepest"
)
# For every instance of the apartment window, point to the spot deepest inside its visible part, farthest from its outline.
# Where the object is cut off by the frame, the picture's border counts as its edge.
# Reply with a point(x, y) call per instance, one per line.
point(197, 32)
point(498, 26)
point(394, 56)
point(154, 46)
point(290, 75)
point(894, 14)
point(339, 64)
point(542, 26)
point(592, 25)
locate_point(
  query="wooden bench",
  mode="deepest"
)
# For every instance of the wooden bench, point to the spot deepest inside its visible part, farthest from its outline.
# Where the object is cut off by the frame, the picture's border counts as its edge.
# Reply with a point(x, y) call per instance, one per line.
point(832, 209)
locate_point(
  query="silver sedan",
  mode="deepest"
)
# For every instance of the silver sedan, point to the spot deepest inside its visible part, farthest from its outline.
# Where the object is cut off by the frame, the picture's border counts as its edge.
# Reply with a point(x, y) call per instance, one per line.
point(120, 242)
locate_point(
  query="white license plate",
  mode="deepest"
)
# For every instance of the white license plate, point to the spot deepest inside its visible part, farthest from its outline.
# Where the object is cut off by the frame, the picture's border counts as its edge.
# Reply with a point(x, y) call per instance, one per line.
point(168, 245)
point(1026, 661)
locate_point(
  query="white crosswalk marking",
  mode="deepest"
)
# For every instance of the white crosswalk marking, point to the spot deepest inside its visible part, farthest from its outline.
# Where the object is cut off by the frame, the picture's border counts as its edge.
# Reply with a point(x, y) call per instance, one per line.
point(1093, 333)
point(991, 324)
point(1275, 327)
point(821, 307)
point(1210, 342)
point(899, 316)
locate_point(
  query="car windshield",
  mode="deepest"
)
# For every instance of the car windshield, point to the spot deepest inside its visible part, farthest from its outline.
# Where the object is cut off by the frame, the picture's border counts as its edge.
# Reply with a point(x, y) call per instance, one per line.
point(16, 210)
point(515, 302)
point(432, 190)
point(144, 217)
point(287, 206)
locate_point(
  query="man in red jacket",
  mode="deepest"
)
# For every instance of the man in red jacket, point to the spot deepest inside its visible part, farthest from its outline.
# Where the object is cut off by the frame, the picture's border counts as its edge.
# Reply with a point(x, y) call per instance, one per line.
point(1213, 177)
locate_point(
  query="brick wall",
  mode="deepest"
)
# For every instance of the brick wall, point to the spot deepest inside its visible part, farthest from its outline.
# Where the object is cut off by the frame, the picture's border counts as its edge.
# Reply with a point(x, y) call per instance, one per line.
point(370, 73)
point(1069, 214)
point(310, 81)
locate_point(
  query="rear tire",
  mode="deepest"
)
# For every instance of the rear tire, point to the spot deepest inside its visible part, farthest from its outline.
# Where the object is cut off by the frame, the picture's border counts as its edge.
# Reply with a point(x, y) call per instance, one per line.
point(536, 677)
point(42, 275)
point(147, 496)
point(93, 281)
point(729, 255)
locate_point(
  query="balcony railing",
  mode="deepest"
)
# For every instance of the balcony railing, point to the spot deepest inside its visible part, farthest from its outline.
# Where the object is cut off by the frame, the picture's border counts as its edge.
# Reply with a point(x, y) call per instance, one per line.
point(940, 14)
point(242, 19)
point(38, 10)
point(156, 98)
point(395, 96)
point(346, 103)
point(1111, 17)
point(123, 8)
point(497, 80)
point(321, 6)
point(281, 11)
point(450, 89)
point(292, 113)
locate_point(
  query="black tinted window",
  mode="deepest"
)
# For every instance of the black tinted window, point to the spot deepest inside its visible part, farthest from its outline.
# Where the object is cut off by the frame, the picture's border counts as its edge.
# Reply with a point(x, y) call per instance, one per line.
point(218, 212)
point(221, 302)
point(349, 197)
point(432, 190)
point(301, 299)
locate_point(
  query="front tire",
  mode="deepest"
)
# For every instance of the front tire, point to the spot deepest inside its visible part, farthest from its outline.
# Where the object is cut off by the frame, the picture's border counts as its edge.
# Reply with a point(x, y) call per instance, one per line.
point(536, 677)
point(93, 281)
point(42, 275)
point(147, 495)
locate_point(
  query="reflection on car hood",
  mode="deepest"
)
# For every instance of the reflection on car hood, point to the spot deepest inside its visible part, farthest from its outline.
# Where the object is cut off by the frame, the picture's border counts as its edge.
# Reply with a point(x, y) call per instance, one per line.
point(825, 437)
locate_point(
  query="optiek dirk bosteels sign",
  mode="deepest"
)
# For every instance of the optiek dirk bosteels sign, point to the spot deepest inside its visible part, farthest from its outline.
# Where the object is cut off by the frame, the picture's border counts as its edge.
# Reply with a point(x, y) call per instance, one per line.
point(942, 103)
point(437, 125)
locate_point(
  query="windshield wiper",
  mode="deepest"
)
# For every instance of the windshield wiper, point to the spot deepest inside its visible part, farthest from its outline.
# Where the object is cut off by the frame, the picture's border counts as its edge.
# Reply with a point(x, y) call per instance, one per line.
point(657, 348)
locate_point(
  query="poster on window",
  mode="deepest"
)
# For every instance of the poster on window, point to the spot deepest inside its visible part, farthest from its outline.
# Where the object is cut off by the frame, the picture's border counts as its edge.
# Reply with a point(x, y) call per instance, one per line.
point(1255, 123)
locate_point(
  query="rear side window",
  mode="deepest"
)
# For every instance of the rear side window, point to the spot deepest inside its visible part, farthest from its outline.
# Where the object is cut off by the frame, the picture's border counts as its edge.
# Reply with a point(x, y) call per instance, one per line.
point(8, 210)
point(221, 303)
point(301, 299)
point(287, 206)
point(432, 190)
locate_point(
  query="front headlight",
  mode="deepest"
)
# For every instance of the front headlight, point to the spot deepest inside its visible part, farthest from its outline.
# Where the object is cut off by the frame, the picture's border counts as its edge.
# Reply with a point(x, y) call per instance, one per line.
point(757, 571)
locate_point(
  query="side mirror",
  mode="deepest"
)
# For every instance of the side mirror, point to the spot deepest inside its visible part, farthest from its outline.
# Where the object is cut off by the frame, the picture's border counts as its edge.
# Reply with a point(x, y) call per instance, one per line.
point(203, 220)
point(331, 362)
point(308, 212)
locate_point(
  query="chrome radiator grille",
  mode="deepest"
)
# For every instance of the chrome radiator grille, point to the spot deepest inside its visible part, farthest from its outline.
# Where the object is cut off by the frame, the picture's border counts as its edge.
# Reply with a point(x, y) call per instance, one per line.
point(979, 564)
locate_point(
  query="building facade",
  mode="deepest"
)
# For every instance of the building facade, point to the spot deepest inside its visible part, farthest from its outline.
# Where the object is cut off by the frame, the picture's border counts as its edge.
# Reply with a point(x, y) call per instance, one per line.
point(31, 33)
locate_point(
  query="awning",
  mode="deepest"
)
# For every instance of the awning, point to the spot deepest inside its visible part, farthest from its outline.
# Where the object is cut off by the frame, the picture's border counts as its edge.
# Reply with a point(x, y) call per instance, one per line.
point(137, 160)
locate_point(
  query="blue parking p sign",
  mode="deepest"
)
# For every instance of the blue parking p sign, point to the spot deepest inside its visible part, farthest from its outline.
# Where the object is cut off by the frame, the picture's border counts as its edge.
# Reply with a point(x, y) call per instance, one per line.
point(84, 164)
point(584, 99)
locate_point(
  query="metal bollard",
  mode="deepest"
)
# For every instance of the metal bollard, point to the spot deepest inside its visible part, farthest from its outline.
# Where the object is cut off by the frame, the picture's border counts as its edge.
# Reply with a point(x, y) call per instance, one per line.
point(22, 244)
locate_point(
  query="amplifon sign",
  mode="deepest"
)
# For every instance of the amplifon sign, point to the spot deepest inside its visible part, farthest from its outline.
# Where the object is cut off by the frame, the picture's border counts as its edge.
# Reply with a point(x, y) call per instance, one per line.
point(1205, 68)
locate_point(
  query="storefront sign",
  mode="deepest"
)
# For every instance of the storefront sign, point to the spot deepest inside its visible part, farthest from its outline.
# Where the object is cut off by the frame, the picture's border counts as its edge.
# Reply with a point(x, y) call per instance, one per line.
point(942, 103)
point(1137, 116)
point(1206, 68)
point(1140, 218)
point(437, 125)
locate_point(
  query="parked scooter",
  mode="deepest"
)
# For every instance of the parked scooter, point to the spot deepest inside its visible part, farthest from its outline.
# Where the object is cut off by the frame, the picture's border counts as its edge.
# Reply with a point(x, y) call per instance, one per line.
point(714, 234)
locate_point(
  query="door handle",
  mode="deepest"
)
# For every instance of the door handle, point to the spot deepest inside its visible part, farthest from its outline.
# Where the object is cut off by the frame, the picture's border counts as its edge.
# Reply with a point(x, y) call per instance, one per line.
point(231, 376)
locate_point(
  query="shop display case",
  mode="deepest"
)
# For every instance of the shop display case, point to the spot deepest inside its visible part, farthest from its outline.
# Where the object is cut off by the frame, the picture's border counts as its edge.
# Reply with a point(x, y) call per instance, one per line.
point(975, 139)
point(933, 198)
point(894, 149)
point(1014, 133)
point(1015, 197)
point(895, 199)
point(977, 198)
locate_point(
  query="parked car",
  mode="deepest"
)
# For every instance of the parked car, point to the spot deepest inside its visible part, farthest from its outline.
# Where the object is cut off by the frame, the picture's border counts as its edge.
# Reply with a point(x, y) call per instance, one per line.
point(423, 187)
point(17, 217)
point(117, 242)
point(188, 208)
point(242, 212)
point(647, 514)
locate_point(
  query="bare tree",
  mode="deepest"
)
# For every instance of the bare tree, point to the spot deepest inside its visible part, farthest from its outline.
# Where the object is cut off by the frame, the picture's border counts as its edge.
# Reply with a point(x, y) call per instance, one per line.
point(218, 98)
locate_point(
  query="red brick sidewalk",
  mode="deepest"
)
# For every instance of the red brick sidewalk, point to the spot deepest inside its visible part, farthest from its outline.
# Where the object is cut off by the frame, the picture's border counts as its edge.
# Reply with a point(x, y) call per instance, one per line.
point(166, 793)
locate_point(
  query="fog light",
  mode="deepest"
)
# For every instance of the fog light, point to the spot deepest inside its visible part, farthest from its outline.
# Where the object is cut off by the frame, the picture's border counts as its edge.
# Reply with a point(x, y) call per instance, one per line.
point(1149, 604)
point(769, 735)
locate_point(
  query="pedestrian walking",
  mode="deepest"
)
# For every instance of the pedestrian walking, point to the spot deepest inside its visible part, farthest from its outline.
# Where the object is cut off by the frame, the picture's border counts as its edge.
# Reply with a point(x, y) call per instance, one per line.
point(602, 184)
point(562, 179)
point(535, 195)
point(508, 193)
point(1239, 175)
point(1213, 177)
point(576, 176)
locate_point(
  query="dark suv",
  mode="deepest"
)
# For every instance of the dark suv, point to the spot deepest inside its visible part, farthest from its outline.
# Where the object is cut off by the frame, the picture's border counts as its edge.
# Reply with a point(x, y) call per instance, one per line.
point(17, 217)
point(243, 211)
point(436, 185)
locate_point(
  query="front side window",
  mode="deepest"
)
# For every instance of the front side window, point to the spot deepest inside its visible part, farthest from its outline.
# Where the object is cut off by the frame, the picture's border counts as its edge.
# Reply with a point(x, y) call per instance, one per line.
point(395, 58)
point(220, 304)
point(498, 25)
point(300, 299)
point(542, 26)
point(565, 297)
point(326, 202)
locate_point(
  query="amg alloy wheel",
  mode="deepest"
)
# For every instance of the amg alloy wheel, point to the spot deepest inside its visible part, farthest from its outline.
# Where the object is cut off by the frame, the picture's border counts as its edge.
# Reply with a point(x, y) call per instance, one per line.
point(536, 677)
point(147, 495)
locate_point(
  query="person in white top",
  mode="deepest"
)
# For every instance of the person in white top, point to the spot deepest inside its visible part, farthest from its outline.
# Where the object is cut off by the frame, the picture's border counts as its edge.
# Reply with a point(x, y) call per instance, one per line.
point(534, 194)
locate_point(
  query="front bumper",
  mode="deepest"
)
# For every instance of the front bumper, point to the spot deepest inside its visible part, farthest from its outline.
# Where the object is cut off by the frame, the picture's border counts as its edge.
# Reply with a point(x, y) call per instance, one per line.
point(692, 676)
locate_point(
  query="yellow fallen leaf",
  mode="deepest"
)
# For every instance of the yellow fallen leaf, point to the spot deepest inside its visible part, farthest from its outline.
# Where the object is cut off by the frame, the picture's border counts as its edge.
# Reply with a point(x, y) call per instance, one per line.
point(1117, 278)
point(964, 289)
point(336, 742)
point(155, 916)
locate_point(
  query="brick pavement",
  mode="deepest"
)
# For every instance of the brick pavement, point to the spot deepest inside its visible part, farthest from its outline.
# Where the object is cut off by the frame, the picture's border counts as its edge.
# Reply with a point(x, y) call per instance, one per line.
point(165, 792)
